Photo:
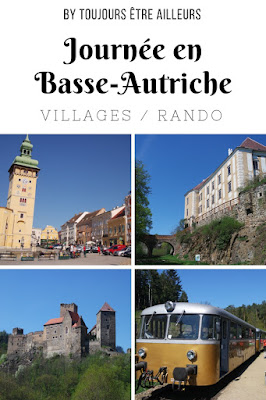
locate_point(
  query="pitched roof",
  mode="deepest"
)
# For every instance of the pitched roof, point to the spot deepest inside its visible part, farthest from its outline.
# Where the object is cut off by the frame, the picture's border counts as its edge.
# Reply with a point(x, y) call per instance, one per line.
point(76, 320)
point(106, 307)
point(200, 184)
point(252, 144)
point(87, 218)
point(55, 321)
point(92, 328)
point(121, 213)
point(73, 219)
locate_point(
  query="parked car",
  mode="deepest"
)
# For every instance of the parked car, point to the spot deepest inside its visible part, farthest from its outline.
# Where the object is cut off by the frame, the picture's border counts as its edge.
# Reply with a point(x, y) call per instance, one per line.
point(121, 252)
point(115, 248)
point(127, 253)
point(79, 248)
point(58, 247)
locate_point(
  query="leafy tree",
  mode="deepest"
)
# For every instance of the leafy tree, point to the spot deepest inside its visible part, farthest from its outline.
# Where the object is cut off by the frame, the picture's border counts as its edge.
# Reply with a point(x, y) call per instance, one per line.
point(143, 212)
point(180, 227)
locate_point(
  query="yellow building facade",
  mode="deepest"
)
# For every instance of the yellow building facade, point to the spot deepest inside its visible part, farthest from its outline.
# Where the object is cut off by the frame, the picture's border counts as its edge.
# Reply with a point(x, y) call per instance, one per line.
point(49, 234)
point(221, 188)
point(116, 229)
point(16, 219)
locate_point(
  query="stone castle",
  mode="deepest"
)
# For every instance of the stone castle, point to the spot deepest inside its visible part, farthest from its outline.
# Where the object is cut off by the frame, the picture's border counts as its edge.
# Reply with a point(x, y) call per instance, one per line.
point(66, 335)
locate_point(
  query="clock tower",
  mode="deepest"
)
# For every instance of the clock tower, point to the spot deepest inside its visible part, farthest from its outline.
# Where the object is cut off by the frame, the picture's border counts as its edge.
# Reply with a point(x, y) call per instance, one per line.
point(23, 175)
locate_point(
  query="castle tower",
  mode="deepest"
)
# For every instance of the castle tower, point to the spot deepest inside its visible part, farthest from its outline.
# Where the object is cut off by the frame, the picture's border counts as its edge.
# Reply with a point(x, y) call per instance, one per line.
point(68, 307)
point(105, 326)
point(23, 175)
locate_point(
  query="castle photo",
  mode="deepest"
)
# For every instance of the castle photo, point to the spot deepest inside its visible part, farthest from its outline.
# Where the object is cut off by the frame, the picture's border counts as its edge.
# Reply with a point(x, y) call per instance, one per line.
point(220, 190)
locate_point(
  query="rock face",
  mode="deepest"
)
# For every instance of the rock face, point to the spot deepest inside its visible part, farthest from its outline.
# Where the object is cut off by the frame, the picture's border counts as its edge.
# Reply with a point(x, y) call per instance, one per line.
point(248, 245)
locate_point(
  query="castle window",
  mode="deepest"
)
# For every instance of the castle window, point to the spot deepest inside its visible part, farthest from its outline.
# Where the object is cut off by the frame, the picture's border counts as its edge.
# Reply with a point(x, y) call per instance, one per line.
point(21, 215)
point(208, 190)
point(229, 170)
point(208, 203)
point(212, 185)
point(229, 186)
point(107, 326)
point(187, 212)
point(200, 197)
point(220, 194)
point(219, 179)
point(66, 329)
point(213, 199)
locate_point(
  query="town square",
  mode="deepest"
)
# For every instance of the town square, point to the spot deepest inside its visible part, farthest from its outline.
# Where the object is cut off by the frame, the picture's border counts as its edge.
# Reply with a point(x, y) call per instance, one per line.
point(71, 207)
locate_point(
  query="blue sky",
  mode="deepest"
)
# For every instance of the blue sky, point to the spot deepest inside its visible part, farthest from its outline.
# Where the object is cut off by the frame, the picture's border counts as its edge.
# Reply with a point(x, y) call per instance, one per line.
point(176, 164)
point(78, 173)
point(223, 287)
point(30, 298)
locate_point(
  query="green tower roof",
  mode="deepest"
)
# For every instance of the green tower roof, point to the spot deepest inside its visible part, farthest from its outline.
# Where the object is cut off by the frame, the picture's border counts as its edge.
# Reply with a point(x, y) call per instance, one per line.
point(25, 159)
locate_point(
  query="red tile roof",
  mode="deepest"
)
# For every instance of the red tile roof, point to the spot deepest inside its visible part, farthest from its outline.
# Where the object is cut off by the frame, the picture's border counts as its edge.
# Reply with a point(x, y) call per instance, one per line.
point(74, 316)
point(252, 144)
point(121, 213)
point(200, 184)
point(87, 218)
point(106, 307)
point(55, 321)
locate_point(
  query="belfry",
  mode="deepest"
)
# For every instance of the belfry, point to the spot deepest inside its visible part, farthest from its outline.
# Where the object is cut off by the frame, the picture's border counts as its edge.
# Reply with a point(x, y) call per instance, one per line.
point(16, 218)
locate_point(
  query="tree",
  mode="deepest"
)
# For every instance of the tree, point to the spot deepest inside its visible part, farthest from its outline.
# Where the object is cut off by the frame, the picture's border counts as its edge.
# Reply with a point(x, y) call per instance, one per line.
point(171, 285)
point(143, 212)
point(184, 297)
point(180, 227)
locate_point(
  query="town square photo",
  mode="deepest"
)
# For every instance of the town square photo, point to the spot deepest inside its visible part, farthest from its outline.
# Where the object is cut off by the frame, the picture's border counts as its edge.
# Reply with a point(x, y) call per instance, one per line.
point(65, 199)
point(201, 199)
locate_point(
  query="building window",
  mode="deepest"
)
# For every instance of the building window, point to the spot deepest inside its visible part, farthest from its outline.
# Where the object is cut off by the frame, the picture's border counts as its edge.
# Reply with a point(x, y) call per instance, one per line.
point(213, 199)
point(220, 194)
point(219, 179)
point(22, 216)
point(212, 185)
point(123, 228)
point(256, 165)
point(187, 212)
point(200, 197)
point(208, 203)
point(229, 186)
point(229, 170)
point(119, 229)
point(208, 190)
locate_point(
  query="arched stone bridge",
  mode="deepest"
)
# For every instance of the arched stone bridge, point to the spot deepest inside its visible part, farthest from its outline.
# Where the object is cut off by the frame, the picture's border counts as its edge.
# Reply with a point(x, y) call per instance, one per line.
point(152, 241)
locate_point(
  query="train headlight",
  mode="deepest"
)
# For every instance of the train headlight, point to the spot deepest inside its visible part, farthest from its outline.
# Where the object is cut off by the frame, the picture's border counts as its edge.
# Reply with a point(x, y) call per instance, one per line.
point(169, 306)
point(191, 355)
point(142, 353)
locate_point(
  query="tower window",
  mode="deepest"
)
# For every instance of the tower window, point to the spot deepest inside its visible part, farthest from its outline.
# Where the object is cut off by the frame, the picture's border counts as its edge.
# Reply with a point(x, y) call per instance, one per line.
point(219, 179)
point(229, 170)
point(21, 215)
point(229, 186)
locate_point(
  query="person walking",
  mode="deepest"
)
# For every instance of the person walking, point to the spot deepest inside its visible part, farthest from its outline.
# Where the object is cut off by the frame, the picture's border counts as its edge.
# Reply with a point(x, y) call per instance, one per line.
point(84, 250)
point(99, 250)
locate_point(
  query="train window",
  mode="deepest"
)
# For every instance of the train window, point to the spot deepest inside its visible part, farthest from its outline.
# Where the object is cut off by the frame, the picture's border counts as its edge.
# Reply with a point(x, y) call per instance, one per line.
point(233, 330)
point(239, 332)
point(224, 329)
point(186, 328)
point(154, 327)
point(210, 327)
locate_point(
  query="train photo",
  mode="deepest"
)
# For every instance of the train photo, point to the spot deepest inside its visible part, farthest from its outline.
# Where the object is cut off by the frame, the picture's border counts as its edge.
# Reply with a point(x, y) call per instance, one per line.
point(188, 344)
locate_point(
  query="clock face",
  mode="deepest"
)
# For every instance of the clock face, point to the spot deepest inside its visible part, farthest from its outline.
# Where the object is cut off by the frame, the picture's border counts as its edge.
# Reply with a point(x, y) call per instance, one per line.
point(25, 181)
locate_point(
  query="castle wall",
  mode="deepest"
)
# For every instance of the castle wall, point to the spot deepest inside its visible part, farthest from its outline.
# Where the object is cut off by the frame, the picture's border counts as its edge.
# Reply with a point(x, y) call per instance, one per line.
point(250, 208)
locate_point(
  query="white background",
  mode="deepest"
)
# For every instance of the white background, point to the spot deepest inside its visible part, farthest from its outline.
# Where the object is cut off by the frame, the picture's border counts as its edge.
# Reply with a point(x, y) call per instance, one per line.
point(231, 35)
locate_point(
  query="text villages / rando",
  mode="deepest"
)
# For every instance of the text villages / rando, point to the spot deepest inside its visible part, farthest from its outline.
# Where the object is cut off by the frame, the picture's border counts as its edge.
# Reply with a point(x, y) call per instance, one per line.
point(160, 115)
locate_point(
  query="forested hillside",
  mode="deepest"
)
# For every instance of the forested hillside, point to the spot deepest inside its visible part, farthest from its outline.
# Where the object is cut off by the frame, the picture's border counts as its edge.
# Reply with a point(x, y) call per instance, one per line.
point(95, 377)
point(254, 314)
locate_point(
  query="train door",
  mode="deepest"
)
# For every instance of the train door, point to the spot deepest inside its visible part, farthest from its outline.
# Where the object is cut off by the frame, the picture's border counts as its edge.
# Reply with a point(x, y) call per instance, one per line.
point(224, 350)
